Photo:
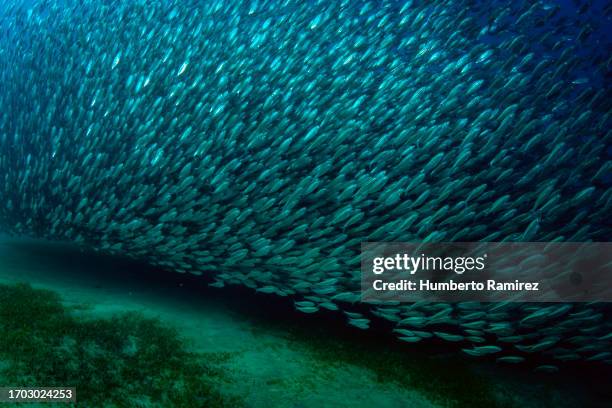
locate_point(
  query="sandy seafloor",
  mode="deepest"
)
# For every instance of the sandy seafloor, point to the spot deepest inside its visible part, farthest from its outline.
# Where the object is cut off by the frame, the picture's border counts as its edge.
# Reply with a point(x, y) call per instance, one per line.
point(268, 367)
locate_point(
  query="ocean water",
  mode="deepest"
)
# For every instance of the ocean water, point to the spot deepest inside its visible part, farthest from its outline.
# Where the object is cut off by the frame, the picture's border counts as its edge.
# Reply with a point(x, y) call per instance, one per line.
point(186, 186)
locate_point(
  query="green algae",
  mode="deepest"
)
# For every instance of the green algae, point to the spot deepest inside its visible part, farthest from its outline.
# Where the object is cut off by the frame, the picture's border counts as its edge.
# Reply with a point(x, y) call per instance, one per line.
point(126, 360)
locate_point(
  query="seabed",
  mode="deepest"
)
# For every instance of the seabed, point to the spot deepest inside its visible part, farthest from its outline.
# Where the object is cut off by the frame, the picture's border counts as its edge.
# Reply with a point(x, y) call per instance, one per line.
point(172, 337)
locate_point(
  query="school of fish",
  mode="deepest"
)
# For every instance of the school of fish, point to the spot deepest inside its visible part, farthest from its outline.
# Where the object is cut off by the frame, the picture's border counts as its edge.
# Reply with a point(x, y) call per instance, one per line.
point(260, 142)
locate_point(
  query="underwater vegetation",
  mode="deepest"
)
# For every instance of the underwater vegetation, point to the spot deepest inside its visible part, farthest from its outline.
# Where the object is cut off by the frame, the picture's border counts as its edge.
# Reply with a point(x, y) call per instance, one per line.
point(125, 360)
point(259, 143)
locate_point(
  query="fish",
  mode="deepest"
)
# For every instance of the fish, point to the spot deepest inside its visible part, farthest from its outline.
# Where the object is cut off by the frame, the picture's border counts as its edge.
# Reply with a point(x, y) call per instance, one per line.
point(360, 323)
point(410, 339)
point(482, 350)
point(449, 336)
point(259, 146)
point(510, 359)
point(547, 368)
